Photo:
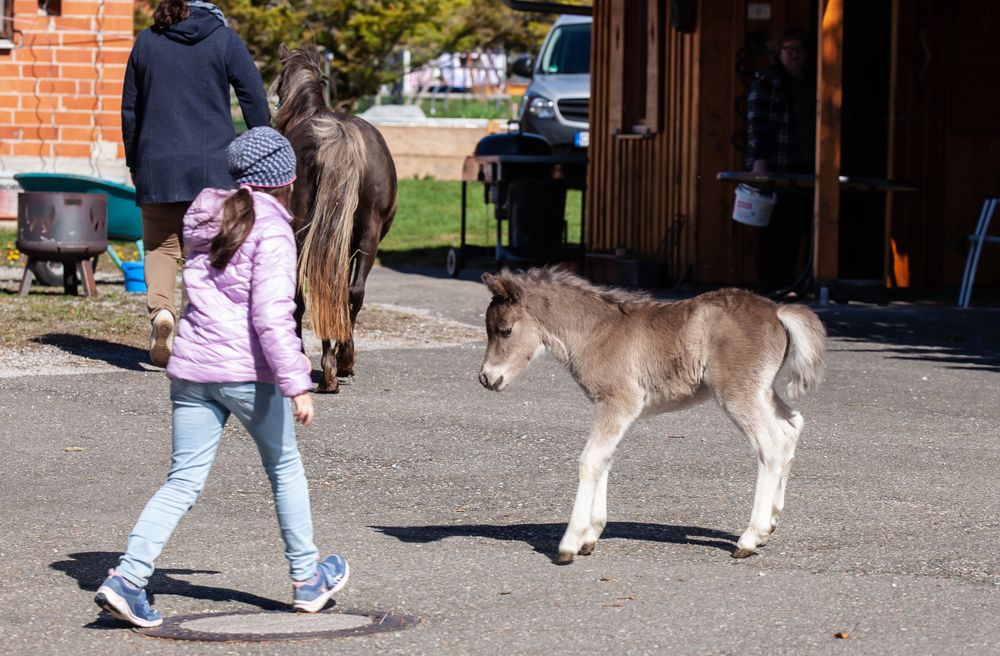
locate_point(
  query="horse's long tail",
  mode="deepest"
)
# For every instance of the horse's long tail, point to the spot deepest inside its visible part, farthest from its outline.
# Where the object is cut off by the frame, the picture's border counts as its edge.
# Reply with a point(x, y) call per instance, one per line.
point(806, 347)
point(324, 260)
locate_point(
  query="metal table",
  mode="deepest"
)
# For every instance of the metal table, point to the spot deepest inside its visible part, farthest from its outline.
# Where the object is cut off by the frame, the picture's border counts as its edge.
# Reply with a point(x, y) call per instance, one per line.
point(497, 173)
point(806, 182)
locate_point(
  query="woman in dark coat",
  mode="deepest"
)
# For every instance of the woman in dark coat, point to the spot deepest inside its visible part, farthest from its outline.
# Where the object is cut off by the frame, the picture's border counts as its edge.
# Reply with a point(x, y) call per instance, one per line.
point(176, 124)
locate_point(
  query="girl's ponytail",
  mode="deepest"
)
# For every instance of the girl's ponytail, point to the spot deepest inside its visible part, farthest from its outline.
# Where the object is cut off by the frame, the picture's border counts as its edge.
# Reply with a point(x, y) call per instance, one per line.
point(237, 221)
point(170, 12)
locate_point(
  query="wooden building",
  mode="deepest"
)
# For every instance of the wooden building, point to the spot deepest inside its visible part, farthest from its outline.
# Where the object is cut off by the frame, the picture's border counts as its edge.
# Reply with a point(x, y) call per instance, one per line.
point(908, 90)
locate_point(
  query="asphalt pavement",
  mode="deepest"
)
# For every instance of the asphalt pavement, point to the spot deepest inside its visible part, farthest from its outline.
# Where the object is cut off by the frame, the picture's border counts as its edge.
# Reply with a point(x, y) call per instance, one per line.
point(449, 501)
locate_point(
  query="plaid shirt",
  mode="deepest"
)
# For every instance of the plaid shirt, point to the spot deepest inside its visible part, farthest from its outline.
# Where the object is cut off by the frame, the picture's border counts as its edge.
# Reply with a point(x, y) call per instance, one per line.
point(770, 133)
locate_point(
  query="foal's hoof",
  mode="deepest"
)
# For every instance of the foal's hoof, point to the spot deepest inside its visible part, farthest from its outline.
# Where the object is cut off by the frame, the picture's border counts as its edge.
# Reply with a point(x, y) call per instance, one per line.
point(565, 557)
point(743, 553)
point(587, 549)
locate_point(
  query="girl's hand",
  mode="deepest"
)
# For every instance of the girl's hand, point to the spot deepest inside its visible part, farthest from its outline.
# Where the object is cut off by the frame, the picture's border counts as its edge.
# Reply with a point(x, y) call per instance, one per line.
point(302, 408)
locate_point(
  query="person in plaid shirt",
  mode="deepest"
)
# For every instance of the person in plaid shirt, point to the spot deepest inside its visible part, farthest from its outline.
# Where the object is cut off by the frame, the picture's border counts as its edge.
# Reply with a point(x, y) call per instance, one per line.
point(781, 138)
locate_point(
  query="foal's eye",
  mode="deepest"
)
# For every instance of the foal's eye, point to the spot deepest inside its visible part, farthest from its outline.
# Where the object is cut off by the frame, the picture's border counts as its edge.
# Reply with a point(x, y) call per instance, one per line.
point(504, 332)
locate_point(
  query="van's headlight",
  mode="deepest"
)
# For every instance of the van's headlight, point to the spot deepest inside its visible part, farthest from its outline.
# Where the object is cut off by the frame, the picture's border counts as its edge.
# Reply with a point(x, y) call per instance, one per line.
point(542, 107)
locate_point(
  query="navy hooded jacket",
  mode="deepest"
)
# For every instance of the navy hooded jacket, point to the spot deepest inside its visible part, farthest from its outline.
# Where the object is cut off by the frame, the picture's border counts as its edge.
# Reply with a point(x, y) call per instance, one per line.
point(176, 121)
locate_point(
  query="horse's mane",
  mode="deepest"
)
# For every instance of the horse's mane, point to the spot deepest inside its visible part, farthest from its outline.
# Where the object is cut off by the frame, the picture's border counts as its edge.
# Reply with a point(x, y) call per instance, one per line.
point(301, 86)
point(561, 277)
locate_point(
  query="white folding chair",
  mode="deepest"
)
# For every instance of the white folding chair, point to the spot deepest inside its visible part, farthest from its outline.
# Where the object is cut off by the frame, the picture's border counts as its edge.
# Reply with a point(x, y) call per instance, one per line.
point(978, 238)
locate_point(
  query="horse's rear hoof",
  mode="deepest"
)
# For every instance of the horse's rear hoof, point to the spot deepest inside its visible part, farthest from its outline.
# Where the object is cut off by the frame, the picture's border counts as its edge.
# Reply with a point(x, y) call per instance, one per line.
point(565, 558)
point(743, 553)
point(345, 373)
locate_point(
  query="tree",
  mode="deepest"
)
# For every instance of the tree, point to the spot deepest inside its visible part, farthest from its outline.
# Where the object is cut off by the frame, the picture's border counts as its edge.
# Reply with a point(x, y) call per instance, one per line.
point(488, 24)
point(363, 38)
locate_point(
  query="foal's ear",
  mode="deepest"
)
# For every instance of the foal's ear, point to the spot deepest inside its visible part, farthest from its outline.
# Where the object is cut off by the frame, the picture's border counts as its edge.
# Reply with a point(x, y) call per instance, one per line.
point(502, 287)
point(493, 284)
point(283, 53)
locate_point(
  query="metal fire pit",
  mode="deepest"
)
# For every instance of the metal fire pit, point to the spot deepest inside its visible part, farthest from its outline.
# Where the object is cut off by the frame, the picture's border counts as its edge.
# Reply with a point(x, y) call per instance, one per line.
point(62, 227)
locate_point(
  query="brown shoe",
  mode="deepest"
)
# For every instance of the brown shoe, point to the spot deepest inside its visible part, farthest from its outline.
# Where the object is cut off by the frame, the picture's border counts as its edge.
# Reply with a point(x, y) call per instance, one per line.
point(161, 340)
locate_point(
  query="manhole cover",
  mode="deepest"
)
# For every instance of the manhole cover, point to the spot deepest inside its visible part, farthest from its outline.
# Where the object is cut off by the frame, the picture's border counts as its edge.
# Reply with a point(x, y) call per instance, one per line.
point(255, 626)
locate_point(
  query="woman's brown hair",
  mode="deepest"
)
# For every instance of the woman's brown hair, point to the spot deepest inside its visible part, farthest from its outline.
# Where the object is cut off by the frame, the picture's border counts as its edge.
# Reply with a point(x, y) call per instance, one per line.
point(237, 221)
point(169, 12)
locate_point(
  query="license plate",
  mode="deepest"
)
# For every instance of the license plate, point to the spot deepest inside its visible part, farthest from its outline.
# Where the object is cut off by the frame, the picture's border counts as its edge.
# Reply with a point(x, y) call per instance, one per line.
point(581, 139)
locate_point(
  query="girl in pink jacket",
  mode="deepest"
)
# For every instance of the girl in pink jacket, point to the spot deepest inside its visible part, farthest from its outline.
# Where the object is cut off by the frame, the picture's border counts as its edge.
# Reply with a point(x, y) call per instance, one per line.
point(236, 352)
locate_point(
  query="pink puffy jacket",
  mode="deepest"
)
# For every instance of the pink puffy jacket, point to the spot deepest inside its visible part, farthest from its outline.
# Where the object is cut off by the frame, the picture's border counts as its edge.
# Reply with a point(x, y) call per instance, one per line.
point(238, 325)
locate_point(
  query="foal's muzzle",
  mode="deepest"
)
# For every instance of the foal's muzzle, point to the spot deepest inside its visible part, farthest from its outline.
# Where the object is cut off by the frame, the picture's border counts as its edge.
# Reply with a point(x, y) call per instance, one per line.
point(488, 384)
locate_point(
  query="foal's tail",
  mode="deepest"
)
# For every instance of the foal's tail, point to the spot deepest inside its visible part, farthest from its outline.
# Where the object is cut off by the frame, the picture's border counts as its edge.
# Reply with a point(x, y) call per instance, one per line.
point(806, 347)
point(324, 260)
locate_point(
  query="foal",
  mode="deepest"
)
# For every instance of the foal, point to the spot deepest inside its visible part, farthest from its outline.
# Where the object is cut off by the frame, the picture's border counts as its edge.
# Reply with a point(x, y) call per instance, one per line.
point(634, 357)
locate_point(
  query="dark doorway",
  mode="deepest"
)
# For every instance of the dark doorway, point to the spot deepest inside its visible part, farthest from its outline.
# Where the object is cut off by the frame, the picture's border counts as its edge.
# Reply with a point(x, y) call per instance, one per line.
point(864, 134)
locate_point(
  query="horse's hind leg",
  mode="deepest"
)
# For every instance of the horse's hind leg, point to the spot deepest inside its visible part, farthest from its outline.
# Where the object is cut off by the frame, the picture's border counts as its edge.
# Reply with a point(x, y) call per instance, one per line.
point(362, 266)
point(590, 508)
point(300, 311)
point(329, 384)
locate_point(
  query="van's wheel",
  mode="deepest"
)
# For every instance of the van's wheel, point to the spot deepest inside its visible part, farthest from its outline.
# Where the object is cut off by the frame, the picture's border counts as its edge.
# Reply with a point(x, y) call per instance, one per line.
point(454, 264)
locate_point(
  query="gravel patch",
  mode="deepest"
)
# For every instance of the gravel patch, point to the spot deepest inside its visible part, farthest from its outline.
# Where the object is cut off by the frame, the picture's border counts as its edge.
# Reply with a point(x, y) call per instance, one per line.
point(380, 326)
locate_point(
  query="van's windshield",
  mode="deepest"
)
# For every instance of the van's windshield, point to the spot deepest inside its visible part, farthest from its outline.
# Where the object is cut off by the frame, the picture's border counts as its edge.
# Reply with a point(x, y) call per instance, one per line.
point(568, 51)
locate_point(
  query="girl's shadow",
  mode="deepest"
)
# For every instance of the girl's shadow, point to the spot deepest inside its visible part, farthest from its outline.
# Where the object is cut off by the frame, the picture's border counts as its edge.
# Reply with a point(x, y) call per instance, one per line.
point(90, 568)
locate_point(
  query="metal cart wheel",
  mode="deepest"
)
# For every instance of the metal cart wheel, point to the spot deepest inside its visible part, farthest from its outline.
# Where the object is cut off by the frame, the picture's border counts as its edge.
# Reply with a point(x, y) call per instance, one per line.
point(50, 274)
point(454, 263)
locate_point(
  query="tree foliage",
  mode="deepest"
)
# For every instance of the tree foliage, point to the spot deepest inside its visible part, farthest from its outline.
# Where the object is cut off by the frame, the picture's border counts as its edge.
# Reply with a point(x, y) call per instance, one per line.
point(364, 39)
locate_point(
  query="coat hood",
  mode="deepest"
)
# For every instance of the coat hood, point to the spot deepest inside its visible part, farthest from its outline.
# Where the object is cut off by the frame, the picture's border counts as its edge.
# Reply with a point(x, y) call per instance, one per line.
point(204, 218)
point(200, 23)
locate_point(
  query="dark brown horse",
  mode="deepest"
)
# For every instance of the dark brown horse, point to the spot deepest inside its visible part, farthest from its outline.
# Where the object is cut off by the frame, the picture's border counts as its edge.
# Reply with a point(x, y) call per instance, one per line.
point(344, 202)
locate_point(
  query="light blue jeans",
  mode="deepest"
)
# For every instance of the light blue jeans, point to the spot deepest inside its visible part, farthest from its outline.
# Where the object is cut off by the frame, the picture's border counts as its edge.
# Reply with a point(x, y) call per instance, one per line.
point(200, 411)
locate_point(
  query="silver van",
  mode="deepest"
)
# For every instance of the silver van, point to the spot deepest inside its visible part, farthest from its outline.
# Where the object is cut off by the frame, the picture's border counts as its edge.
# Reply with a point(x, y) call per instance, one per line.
point(556, 102)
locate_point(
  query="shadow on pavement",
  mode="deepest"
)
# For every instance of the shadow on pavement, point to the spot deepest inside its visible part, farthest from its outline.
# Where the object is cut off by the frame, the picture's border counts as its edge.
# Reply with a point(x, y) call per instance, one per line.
point(544, 538)
point(113, 353)
point(961, 339)
point(89, 568)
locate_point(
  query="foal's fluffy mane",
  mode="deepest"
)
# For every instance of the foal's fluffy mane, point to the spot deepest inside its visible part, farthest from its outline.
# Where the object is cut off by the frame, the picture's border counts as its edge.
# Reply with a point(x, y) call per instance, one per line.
point(561, 277)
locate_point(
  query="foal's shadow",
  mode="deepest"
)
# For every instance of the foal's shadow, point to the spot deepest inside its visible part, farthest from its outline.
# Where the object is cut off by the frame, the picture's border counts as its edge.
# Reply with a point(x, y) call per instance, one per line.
point(544, 538)
point(90, 568)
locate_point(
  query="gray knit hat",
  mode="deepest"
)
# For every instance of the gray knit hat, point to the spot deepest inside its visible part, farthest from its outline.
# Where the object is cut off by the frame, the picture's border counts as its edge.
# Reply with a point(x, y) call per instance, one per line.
point(261, 157)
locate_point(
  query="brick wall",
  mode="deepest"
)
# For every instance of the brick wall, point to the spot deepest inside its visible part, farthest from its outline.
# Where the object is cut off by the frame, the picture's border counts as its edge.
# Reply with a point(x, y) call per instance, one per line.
point(60, 89)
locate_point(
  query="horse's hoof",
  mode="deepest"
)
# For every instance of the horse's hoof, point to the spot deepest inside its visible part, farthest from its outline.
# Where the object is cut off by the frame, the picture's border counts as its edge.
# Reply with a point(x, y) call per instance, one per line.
point(743, 553)
point(345, 373)
point(328, 389)
point(565, 558)
point(587, 549)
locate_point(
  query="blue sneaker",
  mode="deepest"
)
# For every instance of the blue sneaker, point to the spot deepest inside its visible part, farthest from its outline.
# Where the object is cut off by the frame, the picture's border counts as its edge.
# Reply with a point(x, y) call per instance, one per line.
point(331, 575)
point(126, 602)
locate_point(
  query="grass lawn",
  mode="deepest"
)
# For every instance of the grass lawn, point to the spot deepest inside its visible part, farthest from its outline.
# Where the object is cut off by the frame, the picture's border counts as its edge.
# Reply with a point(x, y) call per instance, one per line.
point(427, 224)
point(10, 256)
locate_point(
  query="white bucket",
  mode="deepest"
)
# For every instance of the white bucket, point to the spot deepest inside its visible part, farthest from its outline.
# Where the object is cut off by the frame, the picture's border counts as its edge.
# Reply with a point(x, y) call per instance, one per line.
point(752, 207)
